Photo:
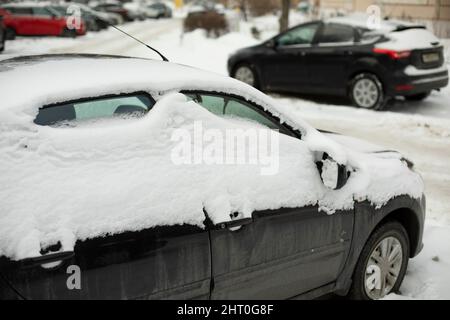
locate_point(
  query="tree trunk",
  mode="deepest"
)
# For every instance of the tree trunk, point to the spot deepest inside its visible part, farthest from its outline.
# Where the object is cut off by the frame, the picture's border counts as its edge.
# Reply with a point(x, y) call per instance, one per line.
point(284, 19)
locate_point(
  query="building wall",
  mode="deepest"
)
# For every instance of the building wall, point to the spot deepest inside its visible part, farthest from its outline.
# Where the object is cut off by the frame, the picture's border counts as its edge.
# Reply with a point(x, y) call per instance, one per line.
point(435, 14)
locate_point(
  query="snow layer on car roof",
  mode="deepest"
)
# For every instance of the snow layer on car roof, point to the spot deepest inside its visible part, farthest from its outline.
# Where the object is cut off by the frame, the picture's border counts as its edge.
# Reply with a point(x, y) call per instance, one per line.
point(51, 79)
point(361, 20)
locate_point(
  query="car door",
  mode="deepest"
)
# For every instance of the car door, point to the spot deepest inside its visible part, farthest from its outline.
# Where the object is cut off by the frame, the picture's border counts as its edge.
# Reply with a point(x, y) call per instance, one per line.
point(167, 262)
point(44, 22)
point(276, 254)
point(284, 65)
point(330, 58)
point(22, 17)
point(170, 261)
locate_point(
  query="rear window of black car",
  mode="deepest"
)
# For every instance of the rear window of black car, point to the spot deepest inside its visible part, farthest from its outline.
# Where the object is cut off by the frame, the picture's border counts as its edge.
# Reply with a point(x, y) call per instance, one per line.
point(336, 33)
point(123, 106)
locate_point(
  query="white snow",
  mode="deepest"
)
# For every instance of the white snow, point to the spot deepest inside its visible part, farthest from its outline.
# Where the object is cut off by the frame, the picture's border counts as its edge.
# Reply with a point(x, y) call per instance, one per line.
point(411, 39)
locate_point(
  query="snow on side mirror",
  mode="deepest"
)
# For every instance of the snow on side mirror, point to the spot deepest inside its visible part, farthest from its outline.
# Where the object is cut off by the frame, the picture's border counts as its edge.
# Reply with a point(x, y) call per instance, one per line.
point(334, 175)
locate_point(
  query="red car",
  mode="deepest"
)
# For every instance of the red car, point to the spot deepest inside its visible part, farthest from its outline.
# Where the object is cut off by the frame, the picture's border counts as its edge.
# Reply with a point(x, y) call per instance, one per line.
point(36, 20)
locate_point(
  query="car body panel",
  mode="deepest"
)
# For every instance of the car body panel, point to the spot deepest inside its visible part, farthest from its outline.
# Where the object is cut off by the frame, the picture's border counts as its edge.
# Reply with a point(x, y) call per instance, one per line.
point(163, 262)
point(35, 24)
point(281, 254)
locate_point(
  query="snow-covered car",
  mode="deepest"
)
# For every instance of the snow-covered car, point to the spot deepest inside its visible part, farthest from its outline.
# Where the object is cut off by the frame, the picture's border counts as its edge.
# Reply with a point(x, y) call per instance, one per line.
point(162, 10)
point(346, 56)
point(126, 173)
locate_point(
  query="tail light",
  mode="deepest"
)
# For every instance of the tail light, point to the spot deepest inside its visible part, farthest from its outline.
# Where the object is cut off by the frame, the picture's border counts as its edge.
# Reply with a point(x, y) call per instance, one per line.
point(393, 54)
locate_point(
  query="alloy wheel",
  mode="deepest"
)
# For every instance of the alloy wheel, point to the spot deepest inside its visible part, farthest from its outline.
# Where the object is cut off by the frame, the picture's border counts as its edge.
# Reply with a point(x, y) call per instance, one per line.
point(365, 93)
point(246, 75)
point(383, 268)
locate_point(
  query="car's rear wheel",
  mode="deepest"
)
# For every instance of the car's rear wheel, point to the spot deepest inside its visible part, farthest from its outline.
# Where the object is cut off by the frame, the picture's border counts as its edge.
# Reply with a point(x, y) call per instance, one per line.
point(382, 264)
point(366, 91)
point(246, 74)
point(10, 34)
point(418, 97)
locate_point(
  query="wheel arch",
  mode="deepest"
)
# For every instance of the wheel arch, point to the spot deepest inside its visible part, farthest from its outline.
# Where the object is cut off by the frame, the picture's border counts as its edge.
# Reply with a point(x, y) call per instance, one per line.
point(410, 221)
point(408, 211)
point(366, 65)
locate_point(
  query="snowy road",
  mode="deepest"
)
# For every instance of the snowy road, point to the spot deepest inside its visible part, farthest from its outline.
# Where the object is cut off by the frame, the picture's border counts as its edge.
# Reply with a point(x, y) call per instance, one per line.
point(421, 130)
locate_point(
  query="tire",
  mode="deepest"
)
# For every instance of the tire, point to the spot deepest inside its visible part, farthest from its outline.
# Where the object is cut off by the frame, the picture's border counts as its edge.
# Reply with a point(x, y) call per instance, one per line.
point(365, 274)
point(10, 34)
point(2, 44)
point(247, 74)
point(418, 97)
point(67, 33)
point(366, 91)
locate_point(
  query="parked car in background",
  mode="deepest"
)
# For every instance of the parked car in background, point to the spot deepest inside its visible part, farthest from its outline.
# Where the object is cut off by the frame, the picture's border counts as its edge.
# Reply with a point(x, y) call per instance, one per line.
point(342, 56)
point(136, 10)
point(34, 19)
point(109, 17)
point(116, 9)
point(93, 22)
point(105, 195)
point(161, 10)
point(2, 32)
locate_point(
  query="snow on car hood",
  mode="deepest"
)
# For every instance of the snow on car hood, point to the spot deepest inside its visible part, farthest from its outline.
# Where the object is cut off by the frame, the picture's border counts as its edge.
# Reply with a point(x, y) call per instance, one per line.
point(69, 184)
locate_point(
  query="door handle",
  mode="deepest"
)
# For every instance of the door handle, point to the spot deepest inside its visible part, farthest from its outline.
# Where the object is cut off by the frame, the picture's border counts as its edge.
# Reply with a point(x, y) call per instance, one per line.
point(47, 259)
point(236, 224)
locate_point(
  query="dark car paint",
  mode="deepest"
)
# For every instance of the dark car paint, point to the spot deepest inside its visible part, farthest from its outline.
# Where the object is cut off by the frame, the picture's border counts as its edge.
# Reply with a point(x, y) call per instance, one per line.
point(162, 262)
point(281, 254)
point(328, 69)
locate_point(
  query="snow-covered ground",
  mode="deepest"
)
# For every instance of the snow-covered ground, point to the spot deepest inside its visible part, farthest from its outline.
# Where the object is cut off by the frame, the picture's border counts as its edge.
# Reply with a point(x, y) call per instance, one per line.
point(420, 130)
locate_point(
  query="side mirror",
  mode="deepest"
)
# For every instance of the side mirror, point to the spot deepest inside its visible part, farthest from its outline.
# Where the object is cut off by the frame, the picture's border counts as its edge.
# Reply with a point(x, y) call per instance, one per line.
point(333, 174)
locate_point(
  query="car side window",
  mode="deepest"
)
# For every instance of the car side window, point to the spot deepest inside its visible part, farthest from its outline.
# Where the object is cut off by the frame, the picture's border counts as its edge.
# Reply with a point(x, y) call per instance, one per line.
point(213, 104)
point(118, 106)
point(241, 110)
point(301, 35)
point(228, 106)
point(335, 33)
point(20, 11)
point(42, 12)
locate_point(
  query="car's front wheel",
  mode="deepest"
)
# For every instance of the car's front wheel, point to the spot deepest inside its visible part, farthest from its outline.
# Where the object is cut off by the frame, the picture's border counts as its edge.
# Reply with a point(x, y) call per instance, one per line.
point(246, 74)
point(382, 264)
point(366, 91)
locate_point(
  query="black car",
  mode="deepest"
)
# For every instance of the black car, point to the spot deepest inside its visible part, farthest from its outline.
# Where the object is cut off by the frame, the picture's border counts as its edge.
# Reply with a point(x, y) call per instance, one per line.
point(90, 192)
point(342, 56)
point(2, 34)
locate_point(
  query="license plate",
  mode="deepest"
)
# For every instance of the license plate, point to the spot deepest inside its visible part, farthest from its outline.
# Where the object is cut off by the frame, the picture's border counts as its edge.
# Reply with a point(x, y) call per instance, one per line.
point(430, 57)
